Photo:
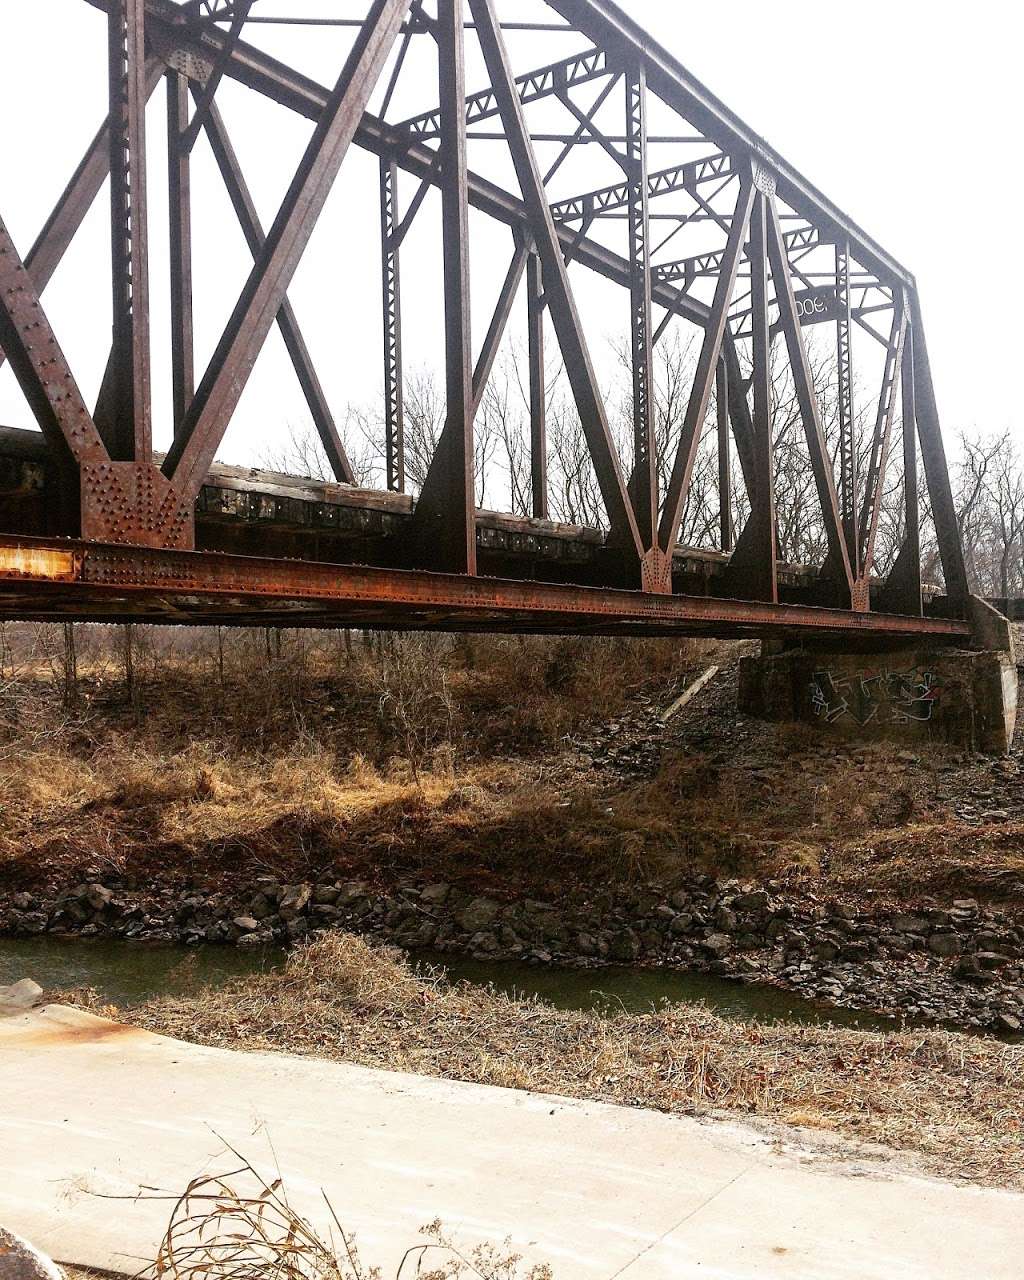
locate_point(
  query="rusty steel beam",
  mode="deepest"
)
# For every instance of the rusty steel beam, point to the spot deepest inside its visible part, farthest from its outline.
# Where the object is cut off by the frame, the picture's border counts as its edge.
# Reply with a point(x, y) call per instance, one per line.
point(266, 289)
point(39, 364)
point(724, 456)
point(810, 410)
point(879, 462)
point(710, 264)
point(707, 364)
point(753, 568)
point(391, 301)
point(444, 526)
point(538, 387)
point(179, 200)
point(933, 454)
point(848, 478)
point(295, 344)
point(77, 198)
point(608, 26)
point(681, 177)
point(561, 304)
point(113, 582)
point(499, 323)
point(126, 415)
point(644, 484)
point(545, 82)
point(297, 92)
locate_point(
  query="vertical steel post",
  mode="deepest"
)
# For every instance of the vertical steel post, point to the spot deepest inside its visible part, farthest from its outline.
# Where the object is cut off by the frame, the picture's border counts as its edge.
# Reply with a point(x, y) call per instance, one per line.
point(901, 592)
point(459, 529)
point(644, 486)
point(394, 402)
point(762, 569)
point(847, 441)
point(126, 408)
point(538, 387)
point(443, 534)
point(180, 210)
point(933, 455)
point(724, 455)
point(910, 480)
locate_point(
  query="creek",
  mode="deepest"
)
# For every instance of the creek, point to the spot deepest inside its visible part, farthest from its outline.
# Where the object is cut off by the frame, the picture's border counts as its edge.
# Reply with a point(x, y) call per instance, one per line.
point(125, 974)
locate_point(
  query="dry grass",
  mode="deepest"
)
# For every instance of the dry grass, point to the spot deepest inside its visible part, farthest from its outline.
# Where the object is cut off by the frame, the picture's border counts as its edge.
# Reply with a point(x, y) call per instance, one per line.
point(957, 1102)
point(137, 808)
point(430, 756)
point(420, 752)
point(238, 1226)
point(940, 858)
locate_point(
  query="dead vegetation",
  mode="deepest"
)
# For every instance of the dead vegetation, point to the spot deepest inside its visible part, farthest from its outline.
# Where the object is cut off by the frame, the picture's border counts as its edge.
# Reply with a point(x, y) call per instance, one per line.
point(239, 1226)
point(218, 756)
point(957, 1102)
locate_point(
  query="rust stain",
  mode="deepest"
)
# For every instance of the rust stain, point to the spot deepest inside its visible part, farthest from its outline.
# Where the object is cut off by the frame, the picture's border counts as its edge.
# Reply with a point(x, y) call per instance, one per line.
point(40, 563)
point(89, 1033)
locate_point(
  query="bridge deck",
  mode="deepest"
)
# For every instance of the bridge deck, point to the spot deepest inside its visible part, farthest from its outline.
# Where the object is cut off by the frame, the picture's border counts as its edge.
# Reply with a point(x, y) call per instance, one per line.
point(45, 579)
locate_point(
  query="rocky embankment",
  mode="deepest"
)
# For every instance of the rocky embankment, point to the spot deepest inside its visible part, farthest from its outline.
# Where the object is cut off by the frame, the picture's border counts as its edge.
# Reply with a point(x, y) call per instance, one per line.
point(958, 963)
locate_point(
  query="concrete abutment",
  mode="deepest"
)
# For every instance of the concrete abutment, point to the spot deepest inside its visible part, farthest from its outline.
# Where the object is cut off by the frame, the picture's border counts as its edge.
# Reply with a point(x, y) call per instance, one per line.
point(963, 697)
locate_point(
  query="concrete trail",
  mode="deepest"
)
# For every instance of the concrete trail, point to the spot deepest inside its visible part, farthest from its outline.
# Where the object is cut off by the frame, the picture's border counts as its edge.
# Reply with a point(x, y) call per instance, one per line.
point(600, 1192)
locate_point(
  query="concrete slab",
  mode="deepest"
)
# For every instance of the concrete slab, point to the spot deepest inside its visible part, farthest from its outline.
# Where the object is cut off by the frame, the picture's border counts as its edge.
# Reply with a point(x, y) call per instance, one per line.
point(91, 1109)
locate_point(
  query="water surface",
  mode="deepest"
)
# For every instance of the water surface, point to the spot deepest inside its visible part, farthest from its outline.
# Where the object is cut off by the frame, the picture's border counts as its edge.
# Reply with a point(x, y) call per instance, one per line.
point(126, 973)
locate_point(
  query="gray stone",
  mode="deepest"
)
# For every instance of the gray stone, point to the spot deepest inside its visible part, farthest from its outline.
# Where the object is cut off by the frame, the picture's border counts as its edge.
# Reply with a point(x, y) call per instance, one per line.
point(625, 946)
point(325, 895)
point(435, 895)
point(96, 896)
point(247, 924)
point(1007, 1022)
point(477, 915)
point(910, 924)
point(294, 901)
point(21, 1261)
point(751, 902)
point(30, 922)
point(719, 944)
point(351, 892)
point(726, 920)
point(944, 944)
point(22, 995)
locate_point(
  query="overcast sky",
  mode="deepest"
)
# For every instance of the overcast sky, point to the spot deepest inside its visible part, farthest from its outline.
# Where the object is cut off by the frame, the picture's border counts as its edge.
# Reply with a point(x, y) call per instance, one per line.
point(906, 115)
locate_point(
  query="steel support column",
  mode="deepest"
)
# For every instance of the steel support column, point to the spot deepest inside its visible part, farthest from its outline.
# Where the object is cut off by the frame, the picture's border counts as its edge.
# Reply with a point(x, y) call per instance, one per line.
point(444, 526)
point(902, 591)
point(810, 410)
point(538, 387)
point(394, 389)
point(126, 410)
point(933, 455)
point(753, 571)
point(179, 201)
point(847, 424)
point(724, 456)
point(222, 385)
point(560, 301)
point(645, 477)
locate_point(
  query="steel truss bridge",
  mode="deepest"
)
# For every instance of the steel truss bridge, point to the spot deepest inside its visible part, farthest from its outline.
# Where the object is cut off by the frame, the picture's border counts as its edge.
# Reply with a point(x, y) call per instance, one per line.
point(700, 221)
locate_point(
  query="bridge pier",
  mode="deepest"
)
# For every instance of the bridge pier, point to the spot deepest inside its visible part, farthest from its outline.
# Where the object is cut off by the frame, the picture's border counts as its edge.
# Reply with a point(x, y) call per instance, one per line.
point(917, 694)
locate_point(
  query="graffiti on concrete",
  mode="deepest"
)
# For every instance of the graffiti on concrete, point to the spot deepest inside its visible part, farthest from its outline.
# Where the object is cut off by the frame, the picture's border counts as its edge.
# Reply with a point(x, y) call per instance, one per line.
point(884, 697)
